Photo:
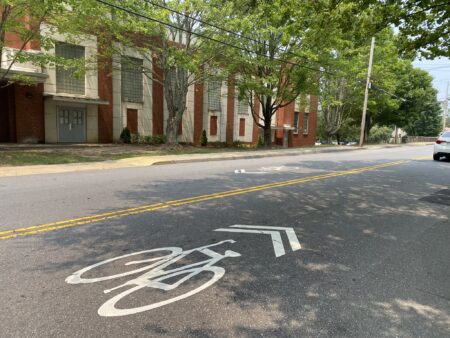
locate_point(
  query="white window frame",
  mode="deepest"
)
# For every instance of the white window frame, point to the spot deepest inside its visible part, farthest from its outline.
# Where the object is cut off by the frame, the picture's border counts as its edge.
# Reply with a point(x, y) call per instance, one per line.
point(306, 123)
point(295, 125)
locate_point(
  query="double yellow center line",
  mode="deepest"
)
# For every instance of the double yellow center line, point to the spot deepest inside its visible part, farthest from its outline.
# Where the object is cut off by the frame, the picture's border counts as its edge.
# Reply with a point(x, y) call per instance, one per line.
point(36, 229)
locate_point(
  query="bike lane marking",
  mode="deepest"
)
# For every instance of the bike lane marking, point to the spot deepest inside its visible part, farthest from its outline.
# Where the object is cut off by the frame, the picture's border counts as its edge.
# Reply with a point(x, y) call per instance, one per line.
point(37, 229)
point(155, 274)
point(274, 233)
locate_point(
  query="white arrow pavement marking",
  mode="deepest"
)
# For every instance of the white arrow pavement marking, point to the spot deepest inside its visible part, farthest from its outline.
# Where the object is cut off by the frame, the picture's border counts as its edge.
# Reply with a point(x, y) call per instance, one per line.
point(277, 242)
point(292, 237)
point(243, 171)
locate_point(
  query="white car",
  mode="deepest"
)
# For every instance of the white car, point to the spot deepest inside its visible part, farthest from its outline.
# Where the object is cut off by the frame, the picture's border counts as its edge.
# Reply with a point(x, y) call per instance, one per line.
point(442, 146)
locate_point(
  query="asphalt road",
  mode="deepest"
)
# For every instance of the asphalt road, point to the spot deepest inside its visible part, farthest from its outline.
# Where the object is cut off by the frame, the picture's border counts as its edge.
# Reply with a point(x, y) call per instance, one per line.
point(372, 257)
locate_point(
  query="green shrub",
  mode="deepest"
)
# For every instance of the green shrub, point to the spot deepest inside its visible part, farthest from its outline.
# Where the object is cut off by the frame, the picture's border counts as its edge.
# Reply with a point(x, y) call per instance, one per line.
point(238, 144)
point(125, 135)
point(217, 144)
point(135, 138)
point(380, 134)
point(159, 139)
point(204, 139)
point(260, 143)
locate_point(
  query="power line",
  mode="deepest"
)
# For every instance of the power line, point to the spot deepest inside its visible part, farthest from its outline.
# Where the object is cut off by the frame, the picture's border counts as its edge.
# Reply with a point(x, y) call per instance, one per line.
point(129, 11)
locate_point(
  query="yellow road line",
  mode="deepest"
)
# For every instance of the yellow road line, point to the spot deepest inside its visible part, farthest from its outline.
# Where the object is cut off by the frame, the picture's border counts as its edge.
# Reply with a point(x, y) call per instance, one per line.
point(428, 157)
point(36, 229)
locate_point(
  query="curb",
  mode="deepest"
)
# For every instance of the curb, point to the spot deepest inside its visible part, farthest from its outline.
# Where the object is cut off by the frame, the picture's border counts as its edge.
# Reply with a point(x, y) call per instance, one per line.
point(285, 153)
point(254, 156)
point(147, 161)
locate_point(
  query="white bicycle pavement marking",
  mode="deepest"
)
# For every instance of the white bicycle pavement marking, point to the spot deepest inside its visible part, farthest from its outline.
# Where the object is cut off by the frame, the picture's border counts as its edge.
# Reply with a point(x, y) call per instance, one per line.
point(157, 270)
point(156, 275)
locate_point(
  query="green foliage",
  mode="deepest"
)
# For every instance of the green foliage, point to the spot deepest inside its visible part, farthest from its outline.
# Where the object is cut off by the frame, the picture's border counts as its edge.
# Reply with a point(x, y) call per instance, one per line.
point(158, 139)
point(424, 26)
point(217, 144)
point(270, 62)
point(260, 143)
point(204, 139)
point(36, 12)
point(136, 138)
point(419, 112)
point(380, 134)
point(125, 135)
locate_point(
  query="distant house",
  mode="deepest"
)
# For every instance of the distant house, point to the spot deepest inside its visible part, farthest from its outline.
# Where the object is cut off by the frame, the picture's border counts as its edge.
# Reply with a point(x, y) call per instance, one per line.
point(400, 133)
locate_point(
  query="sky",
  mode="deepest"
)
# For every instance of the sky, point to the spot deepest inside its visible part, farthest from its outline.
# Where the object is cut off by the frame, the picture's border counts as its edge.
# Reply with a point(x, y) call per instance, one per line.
point(440, 70)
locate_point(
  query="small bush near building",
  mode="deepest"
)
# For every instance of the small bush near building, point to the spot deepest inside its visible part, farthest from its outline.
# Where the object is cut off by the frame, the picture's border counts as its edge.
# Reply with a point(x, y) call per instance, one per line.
point(260, 143)
point(148, 139)
point(136, 138)
point(217, 144)
point(204, 139)
point(125, 135)
point(158, 139)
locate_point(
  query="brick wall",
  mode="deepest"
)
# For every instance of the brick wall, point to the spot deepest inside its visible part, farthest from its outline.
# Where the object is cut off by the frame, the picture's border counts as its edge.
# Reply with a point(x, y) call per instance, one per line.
point(7, 115)
point(198, 112)
point(158, 100)
point(230, 111)
point(301, 139)
point(29, 107)
point(105, 92)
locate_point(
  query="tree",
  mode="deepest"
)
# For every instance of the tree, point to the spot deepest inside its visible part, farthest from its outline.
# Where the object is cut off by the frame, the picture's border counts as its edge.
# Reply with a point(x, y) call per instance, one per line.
point(333, 99)
point(424, 25)
point(419, 112)
point(275, 38)
point(181, 57)
point(168, 34)
point(342, 88)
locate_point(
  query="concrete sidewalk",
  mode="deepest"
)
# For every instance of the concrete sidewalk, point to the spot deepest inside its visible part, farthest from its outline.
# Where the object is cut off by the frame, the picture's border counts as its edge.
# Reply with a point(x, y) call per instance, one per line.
point(172, 159)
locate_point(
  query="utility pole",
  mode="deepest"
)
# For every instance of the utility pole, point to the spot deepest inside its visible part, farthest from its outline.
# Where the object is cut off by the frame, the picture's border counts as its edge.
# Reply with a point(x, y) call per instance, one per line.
point(445, 107)
point(366, 94)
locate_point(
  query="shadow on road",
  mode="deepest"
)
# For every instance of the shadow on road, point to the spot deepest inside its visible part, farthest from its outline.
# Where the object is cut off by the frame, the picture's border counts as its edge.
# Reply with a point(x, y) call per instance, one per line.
point(374, 259)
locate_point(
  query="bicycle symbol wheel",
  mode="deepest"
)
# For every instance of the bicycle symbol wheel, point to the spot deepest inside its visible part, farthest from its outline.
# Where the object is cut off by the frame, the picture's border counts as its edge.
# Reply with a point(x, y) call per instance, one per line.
point(109, 309)
point(76, 277)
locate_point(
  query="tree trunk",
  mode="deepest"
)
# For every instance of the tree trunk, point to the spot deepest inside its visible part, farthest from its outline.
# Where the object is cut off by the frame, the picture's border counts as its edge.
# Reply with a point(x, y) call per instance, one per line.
point(172, 130)
point(267, 135)
point(175, 91)
point(266, 106)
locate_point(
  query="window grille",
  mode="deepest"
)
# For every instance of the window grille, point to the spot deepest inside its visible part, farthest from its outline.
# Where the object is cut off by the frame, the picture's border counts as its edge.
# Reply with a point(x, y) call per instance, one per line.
point(66, 81)
point(303, 103)
point(242, 107)
point(132, 79)
point(214, 90)
point(307, 103)
point(295, 125)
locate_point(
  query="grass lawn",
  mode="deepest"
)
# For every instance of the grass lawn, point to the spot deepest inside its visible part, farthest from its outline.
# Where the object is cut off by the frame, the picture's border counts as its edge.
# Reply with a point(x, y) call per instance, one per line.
point(60, 156)
point(16, 158)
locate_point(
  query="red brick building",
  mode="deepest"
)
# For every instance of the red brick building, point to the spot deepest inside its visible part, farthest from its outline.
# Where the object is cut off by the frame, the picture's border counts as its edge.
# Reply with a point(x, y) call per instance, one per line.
point(61, 108)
